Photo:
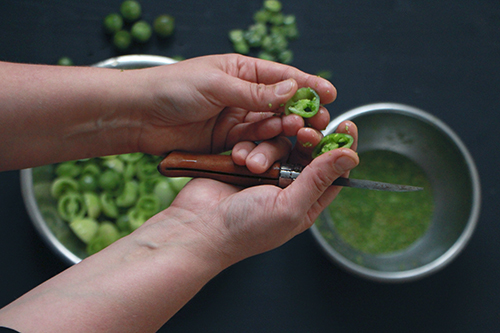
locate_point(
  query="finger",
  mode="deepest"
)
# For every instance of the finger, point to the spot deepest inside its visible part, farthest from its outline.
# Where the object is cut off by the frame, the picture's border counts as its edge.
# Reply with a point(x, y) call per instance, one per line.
point(253, 117)
point(259, 85)
point(266, 153)
point(261, 130)
point(241, 150)
point(256, 96)
point(330, 194)
point(307, 139)
point(320, 120)
point(316, 179)
point(348, 127)
point(292, 124)
point(268, 72)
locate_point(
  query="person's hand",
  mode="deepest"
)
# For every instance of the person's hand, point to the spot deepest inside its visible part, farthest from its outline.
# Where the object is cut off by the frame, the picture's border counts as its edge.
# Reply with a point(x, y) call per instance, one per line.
point(236, 223)
point(209, 104)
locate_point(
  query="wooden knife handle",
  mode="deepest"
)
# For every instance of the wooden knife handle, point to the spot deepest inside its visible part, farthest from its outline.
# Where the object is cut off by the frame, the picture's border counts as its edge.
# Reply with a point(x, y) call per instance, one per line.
point(218, 167)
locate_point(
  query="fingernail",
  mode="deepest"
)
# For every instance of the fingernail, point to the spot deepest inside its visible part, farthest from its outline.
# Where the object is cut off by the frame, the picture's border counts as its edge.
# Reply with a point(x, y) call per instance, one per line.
point(283, 87)
point(259, 159)
point(344, 163)
point(241, 153)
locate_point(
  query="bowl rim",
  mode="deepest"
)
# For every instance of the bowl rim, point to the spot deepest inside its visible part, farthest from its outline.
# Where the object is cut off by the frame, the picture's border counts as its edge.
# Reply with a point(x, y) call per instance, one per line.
point(457, 247)
point(26, 175)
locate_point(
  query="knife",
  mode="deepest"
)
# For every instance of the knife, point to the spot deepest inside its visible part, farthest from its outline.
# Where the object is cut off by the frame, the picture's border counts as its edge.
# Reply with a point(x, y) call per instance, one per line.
point(222, 168)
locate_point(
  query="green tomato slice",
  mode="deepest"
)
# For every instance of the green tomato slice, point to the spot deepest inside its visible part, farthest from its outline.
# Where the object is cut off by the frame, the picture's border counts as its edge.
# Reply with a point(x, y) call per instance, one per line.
point(304, 103)
point(333, 141)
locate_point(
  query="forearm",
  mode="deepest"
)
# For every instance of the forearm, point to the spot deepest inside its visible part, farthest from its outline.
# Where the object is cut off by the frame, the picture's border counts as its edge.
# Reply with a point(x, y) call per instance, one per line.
point(135, 285)
point(55, 113)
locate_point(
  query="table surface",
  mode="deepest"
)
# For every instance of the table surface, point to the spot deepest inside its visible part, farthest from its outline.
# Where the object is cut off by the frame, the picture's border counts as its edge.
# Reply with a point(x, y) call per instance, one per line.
point(440, 56)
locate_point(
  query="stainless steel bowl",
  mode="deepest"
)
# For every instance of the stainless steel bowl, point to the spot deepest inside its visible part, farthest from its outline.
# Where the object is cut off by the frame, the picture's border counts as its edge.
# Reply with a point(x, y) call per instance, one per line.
point(52, 229)
point(455, 183)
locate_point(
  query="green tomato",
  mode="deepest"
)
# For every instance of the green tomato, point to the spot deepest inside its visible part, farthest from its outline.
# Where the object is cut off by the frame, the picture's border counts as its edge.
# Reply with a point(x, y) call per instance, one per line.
point(87, 182)
point(164, 192)
point(273, 6)
point(262, 16)
point(131, 157)
point(148, 205)
point(241, 47)
point(107, 233)
point(164, 25)
point(113, 23)
point(141, 31)
point(129, 195)
point(109, 180)
point(136, 218)
point(130, 10)
point(91, 168)
point(114, 164)
point(266, 56)
point(65, 61)
point(236, 35)
point(71, 206)
point(108, 205)
point(123, 223)
point(285, 56)
point(92, 203)
point(85, 229)
point(122, 40)
point(63, 185)
point(68, 169)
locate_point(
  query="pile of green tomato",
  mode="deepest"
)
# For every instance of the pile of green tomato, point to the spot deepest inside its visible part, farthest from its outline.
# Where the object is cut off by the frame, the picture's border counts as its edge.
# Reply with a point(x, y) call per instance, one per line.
point(140, 30)
point(103, 199)
point(268, 35)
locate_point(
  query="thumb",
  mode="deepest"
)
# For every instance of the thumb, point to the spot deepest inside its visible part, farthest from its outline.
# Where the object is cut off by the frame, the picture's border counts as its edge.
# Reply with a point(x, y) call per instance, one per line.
point(258, 96)
point(311, 189)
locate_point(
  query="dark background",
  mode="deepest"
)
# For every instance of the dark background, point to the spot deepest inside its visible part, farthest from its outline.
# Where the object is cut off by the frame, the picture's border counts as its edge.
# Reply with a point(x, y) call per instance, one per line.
point(441, 56)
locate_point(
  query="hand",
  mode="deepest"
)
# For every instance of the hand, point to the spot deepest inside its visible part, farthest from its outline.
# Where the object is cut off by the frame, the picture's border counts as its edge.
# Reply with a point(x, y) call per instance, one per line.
point(236, 223)
point(209, 104)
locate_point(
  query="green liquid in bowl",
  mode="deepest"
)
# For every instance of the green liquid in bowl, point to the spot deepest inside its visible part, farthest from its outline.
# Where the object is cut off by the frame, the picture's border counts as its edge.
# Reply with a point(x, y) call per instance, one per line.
point(379, 222)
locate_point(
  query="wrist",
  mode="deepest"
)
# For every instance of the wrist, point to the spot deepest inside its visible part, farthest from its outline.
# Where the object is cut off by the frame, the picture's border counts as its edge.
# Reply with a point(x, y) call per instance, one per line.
point(174, 234)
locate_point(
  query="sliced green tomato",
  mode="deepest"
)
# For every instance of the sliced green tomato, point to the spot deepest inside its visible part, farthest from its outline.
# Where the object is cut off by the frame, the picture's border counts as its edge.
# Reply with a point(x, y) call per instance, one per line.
point(109, 180)
point(87, 182)
point(131, 157)
point(148, 205)
point(85, 229)
point(68, 169)
point(71, 206)
point(164, 192)
point(136, 218)
point(147, 169)
point(304, 103)
point(107, 234)
point(93, 204)
point(178, 183)
point(108, 205)
point(333, 141)
point(129, 195)
point(116, 164)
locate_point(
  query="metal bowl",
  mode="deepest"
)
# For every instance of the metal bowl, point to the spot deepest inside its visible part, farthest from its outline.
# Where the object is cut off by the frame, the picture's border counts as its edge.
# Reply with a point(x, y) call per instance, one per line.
point(455, 184)
point(53, 230)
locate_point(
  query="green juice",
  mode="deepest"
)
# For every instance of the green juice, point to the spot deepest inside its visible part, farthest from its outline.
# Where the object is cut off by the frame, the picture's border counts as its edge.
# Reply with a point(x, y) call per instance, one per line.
point(379, 222)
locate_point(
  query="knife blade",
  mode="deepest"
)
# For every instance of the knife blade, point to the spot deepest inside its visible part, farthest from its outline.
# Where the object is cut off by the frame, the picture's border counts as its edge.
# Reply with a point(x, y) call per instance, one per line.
point(222, 168)
point(374, 185)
